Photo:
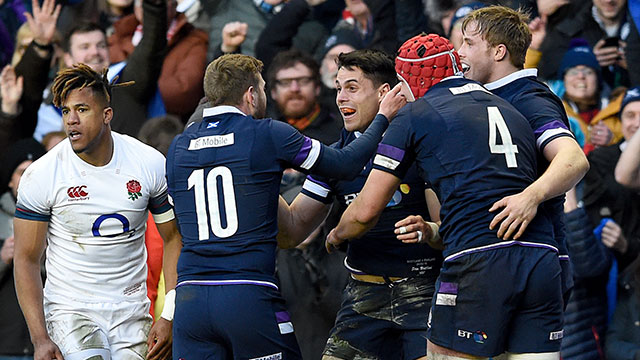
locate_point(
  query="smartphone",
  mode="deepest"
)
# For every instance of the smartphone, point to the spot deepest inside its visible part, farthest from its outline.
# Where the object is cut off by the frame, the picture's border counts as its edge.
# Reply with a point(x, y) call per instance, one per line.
point(611, 41)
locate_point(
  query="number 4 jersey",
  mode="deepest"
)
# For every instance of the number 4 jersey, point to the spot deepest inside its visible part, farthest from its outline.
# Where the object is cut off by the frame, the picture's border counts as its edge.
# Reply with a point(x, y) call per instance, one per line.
point(474, 148)
point(97, 219)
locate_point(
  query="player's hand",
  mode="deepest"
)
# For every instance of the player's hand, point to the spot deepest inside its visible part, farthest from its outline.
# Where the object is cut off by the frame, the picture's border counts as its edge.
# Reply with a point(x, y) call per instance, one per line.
point(519, 210)
point(46, 350)
point(414, 229)
point(605, 55)
point(6, 253)
point(613, 238)
point(600, 134)
point(233, 35)
point(160, 340)
point(392, 102)
point(332, 242)
point(10, 89)
point(43, 21)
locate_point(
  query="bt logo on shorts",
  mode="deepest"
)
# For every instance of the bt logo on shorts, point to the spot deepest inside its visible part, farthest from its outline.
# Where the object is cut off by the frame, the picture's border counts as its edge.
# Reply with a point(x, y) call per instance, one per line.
point(478, 336)
point(78, 192)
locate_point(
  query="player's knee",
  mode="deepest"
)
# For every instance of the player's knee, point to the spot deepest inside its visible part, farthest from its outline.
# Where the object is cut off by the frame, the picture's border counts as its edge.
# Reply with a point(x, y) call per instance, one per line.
point(89, 354)
point(534, 356)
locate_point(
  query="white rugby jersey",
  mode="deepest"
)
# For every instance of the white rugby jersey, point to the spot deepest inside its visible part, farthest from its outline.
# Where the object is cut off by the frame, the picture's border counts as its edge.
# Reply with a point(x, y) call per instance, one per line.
point(97, 219)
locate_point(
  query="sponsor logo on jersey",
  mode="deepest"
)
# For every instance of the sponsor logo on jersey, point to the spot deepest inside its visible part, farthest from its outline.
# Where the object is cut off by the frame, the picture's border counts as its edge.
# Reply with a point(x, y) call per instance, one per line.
point(133, 188)
point(213, 141)
point(78, 193)
point(556, 335)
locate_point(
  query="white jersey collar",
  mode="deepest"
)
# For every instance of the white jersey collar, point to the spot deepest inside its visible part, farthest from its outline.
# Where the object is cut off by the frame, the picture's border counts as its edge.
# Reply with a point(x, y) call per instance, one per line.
point(221, 109)
point(511, 78)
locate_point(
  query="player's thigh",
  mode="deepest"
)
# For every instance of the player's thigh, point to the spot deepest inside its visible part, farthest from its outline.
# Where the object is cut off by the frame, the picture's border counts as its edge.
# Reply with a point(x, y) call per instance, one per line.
point(472, 305)
point(436, 352)
point(129, 329)
point(410, 312)
point(76, 331)
point(537, 326)
point(193, 335)
point(363, 322)
point(255, 323)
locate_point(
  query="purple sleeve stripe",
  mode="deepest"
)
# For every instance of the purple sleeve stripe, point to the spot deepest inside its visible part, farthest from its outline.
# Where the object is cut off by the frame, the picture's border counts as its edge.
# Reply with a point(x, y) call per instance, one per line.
point(391, 151)
point(555, 124)
point(314, 180)
point(303, 153)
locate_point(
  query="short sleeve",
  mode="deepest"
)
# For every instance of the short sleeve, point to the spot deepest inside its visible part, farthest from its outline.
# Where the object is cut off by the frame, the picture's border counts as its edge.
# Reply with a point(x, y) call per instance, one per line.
point(159, 205)
point(393, 155)
point(546, 117)
point(295, 149)
point(33, 202)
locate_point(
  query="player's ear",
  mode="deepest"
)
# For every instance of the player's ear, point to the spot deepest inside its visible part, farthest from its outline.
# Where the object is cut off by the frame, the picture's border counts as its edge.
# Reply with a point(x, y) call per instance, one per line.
point(382, 90)
point(500, 52)
point(107, 115)
point(249, 96)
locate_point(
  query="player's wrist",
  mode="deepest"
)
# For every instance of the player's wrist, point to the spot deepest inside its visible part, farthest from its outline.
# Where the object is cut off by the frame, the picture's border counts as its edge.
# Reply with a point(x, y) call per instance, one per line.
point(169, 305)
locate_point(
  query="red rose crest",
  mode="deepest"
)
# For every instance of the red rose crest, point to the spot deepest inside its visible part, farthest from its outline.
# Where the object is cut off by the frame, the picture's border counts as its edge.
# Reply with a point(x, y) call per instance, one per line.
point(133, 187)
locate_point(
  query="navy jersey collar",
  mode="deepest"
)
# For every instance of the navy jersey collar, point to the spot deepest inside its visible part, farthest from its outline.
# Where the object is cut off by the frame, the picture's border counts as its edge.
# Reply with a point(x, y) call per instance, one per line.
point(511, 78)
point(221, 109)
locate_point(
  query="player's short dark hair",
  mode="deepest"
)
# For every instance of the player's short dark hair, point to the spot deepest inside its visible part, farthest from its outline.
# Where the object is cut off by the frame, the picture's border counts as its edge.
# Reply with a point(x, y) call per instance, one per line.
point(81, 76)
point(288, 59)
point(81, 28)
point(228, 77)
point(376, 65)
point(502, 25)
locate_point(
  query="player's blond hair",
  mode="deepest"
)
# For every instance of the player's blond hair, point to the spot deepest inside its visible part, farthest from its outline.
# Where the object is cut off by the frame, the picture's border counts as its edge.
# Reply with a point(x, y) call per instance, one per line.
point(228, 77)
point(502, 25)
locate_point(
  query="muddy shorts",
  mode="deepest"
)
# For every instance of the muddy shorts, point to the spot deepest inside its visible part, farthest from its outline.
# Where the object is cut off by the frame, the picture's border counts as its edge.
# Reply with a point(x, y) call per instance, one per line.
point(382, 321)
point(232, 322)
point(499, 300)
point(119, 328)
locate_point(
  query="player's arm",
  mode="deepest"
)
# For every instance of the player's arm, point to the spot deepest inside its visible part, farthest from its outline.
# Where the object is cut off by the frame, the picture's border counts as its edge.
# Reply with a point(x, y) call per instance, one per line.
point(628, 168)
point(160, 337)
point(364, 211)
point(414, 229)
point(568, 165)
point(30, 242)
point(298, 220)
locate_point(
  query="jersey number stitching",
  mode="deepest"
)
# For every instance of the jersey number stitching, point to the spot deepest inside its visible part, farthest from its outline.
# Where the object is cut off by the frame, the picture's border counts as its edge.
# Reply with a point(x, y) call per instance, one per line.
point(496, 121)
point(196, 181)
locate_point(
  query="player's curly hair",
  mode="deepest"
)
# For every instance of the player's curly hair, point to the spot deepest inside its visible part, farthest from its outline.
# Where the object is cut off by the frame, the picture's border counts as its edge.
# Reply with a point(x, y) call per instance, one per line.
point(81, 76)
point(502, 25)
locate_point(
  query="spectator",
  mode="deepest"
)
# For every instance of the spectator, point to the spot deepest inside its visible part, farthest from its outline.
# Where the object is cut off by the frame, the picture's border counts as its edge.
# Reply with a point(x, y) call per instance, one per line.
point(180, 81)
point(52, 139)
point(623, 336)
point(11, 16)
point(585, 316)
point(632, 51)
point(592, 21)
point(295, 88)
point(15, 343)
point(584, 98)
point(20, 98)
point(628, 168)
point(87, 43)
point(604, 197)
point(454, 32)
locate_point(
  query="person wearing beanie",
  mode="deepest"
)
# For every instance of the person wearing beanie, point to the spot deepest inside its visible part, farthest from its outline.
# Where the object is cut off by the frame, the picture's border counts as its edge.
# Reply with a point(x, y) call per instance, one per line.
point(454, 33)
point(628, 168)
point(478, 309)
point(584, 97)
point(14, 334)
point(605, 197)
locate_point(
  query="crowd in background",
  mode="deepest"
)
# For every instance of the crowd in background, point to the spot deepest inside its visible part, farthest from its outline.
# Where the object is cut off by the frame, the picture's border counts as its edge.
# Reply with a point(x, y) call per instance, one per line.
point(588, 52)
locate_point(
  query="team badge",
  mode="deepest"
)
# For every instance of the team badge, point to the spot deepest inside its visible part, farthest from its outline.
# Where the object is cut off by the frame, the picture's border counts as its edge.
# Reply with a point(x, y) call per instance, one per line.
point(133, 187)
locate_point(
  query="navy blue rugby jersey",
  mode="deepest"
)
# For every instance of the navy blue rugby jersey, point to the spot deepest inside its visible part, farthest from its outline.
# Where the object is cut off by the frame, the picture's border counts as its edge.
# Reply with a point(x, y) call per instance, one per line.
point(548, 119)
point(474, 148)
point(224, 175)
point(379, 252)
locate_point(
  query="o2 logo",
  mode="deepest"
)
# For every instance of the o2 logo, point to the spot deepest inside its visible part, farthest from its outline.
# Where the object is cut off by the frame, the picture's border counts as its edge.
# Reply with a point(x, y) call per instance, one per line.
point(102, 218)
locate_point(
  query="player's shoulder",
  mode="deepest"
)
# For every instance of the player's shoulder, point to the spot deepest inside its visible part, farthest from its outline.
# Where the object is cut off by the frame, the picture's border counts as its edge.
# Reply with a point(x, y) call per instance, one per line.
point(54, 158)
point(135, 150)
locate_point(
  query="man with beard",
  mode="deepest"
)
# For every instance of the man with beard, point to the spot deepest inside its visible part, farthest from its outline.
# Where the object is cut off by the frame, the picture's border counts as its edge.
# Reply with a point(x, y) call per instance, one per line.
point(223, 175)
point(294, 80)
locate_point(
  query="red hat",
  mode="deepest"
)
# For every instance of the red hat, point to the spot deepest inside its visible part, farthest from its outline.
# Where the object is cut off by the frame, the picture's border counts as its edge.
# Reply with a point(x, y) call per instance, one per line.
point(424, 60)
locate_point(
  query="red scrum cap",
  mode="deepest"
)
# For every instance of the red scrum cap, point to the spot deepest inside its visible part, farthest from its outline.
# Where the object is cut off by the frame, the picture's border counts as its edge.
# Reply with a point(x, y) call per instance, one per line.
point(424, 60)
